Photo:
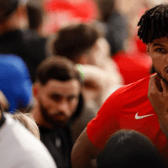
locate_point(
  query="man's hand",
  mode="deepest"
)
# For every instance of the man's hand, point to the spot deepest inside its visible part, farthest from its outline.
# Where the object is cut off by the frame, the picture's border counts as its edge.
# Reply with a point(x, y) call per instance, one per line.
point(158, 96)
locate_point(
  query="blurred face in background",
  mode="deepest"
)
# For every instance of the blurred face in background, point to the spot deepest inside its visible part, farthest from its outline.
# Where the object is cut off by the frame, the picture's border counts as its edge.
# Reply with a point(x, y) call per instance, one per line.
point(58, 101)
point(100, 51)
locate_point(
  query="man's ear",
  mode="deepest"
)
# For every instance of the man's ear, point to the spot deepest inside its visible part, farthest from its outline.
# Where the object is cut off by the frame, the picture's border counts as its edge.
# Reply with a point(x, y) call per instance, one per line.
point(35, 90)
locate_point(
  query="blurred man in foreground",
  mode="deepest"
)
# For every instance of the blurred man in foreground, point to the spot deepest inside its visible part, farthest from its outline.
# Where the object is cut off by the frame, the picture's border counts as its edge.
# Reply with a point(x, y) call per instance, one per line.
point(142, 105)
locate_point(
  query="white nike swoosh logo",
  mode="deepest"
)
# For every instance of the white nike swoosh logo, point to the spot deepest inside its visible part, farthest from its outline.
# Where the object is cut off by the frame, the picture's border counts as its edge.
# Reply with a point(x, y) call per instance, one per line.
point(140, 117)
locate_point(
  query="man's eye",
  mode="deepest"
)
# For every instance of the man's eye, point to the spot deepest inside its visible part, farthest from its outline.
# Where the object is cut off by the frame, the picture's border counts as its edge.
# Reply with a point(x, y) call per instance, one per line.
point(56, 98)
point(70, 99)
point(161, 50)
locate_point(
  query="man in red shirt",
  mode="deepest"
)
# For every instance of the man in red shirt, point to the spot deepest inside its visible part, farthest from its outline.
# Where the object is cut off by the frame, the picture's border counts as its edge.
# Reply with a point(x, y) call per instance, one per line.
point(141, 106)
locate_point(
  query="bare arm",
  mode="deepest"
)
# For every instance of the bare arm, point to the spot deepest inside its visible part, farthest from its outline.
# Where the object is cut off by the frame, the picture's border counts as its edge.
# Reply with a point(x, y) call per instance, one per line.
point(83, 152)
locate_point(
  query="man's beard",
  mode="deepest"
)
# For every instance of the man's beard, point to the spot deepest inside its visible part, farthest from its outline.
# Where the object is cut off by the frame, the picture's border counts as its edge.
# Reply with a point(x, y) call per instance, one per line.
point(159, 74)
point(50, 119)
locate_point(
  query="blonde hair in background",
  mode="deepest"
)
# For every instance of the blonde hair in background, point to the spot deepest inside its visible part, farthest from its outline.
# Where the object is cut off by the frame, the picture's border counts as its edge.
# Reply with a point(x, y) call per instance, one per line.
point(28, 121)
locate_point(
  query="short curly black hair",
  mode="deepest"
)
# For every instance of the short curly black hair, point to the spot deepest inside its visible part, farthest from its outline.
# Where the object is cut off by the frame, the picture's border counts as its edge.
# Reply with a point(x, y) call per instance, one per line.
point(154, 23)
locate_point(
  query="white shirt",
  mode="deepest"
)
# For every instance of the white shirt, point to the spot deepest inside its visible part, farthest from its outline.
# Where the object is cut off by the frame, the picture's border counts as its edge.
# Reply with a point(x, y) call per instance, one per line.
point(21, 149)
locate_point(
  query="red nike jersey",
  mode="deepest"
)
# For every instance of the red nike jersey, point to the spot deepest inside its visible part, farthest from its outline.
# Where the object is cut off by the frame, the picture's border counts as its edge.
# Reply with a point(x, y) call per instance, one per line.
point(128, 108)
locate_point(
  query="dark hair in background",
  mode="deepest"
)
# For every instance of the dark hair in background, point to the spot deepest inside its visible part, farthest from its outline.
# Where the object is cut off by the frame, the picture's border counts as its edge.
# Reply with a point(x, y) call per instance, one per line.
point(7, 7)
point(35, 17)
point(129, 149)
point(59, 68)
point(105, 8)
point(154, 23)
point(74, 40)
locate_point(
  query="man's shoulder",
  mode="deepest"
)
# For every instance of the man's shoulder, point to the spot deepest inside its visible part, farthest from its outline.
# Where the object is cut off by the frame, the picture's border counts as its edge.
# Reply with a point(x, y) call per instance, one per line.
point(140, 86)
point(127, 93)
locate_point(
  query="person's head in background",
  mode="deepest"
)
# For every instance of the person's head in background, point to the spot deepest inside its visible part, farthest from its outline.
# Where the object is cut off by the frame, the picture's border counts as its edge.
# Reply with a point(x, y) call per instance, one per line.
point(154, 33)
point(28, 121)
point(129, 149)
point(56, 91)
point(79, 43)
point(13, 15)
point(83, 44)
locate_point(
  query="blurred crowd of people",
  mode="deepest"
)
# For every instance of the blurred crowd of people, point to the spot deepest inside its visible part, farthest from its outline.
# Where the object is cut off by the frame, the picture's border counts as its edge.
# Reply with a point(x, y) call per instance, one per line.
point(60, 60)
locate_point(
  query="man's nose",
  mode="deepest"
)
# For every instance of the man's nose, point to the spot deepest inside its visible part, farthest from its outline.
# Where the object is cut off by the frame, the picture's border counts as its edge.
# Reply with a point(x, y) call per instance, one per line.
point(64, 107)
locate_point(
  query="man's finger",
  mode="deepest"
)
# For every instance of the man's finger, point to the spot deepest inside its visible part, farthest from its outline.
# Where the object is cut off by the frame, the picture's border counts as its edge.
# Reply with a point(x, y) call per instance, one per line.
point(154, 85)
point(165, 88)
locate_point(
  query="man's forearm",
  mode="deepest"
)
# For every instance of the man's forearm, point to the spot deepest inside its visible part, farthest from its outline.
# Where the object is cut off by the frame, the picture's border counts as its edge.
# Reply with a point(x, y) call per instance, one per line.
point(80, 160)
point(84, 152)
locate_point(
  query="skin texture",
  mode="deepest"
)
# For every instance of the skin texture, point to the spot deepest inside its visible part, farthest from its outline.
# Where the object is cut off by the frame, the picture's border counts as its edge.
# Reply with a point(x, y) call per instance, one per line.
point(158, 51)
point(158, 86)
point(55, 102)
point(84, 152)
point(159, 101)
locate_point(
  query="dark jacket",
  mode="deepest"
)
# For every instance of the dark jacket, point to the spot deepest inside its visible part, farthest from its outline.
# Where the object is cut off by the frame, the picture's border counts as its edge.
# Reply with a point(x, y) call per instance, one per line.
point(59, 140)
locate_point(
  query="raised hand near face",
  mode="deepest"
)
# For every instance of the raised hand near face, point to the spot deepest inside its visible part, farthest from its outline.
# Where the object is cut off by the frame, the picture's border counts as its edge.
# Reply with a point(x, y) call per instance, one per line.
point(158, 97)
